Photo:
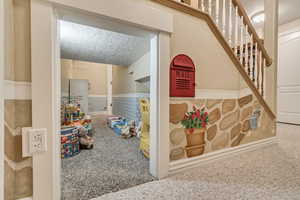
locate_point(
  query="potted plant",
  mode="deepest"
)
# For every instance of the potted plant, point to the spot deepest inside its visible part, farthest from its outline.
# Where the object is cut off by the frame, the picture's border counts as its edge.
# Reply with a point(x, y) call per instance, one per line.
point(195, 123)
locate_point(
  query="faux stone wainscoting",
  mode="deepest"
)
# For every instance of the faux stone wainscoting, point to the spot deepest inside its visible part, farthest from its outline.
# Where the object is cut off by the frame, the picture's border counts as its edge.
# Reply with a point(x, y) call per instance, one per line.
point(18, 170)
point(228, 126)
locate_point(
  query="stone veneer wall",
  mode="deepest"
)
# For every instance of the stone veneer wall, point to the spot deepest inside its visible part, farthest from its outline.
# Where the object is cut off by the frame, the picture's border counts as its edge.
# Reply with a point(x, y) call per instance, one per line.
point(18, 170)
point(228, 126)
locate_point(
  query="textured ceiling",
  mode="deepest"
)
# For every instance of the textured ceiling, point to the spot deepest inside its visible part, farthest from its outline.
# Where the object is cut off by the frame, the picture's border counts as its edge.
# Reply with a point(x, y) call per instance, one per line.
point(288, 9)
point(87, 43)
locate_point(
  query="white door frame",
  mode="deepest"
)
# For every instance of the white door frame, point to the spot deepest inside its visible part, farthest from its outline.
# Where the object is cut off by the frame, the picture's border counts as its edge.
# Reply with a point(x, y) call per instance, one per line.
point(109, 89)
point(2, 57)
point(46, 83)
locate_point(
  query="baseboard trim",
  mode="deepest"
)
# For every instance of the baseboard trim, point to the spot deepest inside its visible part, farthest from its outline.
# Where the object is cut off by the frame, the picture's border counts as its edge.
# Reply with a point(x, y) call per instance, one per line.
point(98, 113)
point(185, 164)
point(134, 95)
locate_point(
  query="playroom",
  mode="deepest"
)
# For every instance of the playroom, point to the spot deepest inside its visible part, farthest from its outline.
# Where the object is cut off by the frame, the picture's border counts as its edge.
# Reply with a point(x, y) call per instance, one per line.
point(105, 109)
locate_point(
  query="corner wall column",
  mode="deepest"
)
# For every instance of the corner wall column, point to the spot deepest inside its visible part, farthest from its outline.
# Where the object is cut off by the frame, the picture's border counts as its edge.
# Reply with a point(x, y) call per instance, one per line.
point(271, 44)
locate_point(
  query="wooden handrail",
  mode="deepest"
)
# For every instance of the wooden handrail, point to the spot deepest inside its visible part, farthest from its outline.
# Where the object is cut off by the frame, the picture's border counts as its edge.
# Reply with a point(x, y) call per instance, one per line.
point(183, 7)
point(252, 31)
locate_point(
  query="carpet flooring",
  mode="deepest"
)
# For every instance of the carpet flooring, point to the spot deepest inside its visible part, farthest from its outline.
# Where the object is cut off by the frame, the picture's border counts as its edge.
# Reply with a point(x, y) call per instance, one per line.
point(114, 164)
point(270, 173)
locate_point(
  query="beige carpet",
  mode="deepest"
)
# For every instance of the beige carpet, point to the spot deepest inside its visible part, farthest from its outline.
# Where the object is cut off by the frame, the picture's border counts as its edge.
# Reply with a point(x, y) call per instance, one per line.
point(271, 173)
point(114, 164)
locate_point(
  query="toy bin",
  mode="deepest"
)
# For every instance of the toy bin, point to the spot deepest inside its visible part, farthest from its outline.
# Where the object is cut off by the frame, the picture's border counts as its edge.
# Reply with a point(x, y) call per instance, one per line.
point(119, 126)
point(69, 143)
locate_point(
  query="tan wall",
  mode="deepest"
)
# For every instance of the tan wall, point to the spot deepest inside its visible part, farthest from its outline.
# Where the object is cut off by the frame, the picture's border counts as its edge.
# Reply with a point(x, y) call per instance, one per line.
point(18, 170)
point(66, 74)
point(124, 82)
point(10, 41)
point(193, 37)
point(22, 40)
point(141, 68)
point(94, 72)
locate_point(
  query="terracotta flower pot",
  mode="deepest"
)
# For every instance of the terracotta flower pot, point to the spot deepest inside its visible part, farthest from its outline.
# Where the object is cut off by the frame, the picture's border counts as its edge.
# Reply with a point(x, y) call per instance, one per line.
point(195, 141)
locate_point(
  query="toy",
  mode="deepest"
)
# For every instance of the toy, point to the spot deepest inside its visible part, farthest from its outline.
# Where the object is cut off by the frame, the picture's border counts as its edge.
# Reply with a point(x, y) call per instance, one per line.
point(86, 142)
point(132, 129)
point(125, 133)
point(145, 127)
point(69, 142)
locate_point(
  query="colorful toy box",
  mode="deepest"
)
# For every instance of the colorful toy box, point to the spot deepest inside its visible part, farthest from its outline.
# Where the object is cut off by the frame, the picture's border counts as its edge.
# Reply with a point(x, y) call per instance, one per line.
point(69, 142)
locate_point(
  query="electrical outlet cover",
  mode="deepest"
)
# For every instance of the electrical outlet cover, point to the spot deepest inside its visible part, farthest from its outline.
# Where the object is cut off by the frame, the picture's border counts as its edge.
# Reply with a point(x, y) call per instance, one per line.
point(37, 140)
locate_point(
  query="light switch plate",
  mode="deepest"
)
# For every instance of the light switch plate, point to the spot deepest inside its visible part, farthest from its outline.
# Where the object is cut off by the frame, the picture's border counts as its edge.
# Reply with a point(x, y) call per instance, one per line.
point(37, 140)
point(33, 141)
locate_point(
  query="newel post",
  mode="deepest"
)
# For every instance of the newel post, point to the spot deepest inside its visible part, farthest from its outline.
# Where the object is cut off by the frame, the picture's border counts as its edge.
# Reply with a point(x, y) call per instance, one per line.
point(271, 44)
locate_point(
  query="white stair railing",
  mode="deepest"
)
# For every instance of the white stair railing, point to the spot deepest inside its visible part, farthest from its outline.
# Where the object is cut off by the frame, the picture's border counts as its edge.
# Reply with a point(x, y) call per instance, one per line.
point(234, 24)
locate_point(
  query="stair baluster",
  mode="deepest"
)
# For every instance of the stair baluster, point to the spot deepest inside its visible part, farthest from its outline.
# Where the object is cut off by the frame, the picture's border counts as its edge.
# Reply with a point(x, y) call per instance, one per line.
point(252, 77)
point(242, 41)
point(209, 7)
point(230, 24)
point(235, 28)
point(224, 18)
point(217, 10)
point(246, 65)
point(236, 44)
point(263, 78)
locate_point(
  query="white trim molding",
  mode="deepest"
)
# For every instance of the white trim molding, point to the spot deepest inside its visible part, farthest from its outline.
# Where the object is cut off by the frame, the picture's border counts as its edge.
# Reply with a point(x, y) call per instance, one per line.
point(27, 198)
point(97, 95)
point(17, 90)
point(98, 113)
point(132, 95)
point(188, 163)
point(218, 94)
point(121, 10)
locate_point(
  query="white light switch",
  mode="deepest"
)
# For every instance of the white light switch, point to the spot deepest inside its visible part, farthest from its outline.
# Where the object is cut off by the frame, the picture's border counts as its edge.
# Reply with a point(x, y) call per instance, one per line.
point(33, 141)
point(37, 140)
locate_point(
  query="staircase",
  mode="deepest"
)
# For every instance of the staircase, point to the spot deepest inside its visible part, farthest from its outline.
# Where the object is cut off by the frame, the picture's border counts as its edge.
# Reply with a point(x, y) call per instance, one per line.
point(231, 25)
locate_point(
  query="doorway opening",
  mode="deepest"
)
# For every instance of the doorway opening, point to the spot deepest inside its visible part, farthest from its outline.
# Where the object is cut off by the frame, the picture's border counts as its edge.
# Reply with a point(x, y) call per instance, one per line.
point(105, 108)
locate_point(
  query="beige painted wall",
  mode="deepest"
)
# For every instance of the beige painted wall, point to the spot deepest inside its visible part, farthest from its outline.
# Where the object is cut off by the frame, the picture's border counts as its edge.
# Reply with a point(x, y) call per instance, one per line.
point(18, 59)
point(124, 82)
point(10, 41)
point(17, 112)
point(131, 79)
point(193, 37)
point(94, 72)
point(141, 68)
point(22, 40)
